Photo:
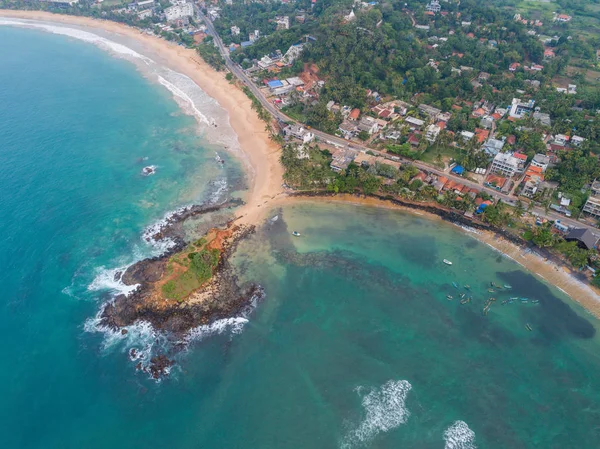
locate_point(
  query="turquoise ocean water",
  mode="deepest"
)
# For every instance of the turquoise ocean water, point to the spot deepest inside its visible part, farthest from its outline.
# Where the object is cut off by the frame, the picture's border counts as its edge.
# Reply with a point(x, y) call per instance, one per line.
point(355, 345)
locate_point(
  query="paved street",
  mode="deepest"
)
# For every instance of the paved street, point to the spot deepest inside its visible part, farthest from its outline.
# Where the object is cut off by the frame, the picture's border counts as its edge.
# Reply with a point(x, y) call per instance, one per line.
point(331, 139)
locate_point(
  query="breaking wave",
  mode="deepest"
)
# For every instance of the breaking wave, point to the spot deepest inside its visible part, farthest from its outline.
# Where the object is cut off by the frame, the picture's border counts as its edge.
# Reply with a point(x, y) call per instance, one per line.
point(384, 410)
point(185, 98)
point(459, 436)
point(106, 44)
point(220, 189)
point(111, 279)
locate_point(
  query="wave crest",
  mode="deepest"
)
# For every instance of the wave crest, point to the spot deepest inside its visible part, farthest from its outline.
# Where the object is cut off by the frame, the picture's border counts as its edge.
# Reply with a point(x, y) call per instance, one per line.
point(384, 410)
point(459, 436)
point(114, 47)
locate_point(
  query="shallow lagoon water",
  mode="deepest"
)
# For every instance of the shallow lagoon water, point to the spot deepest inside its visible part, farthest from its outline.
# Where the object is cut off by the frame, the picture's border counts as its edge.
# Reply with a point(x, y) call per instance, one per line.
point(355, 345)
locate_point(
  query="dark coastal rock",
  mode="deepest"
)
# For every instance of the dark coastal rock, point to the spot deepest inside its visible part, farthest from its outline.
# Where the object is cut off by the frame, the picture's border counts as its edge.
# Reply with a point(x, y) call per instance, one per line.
point(228, 298)
point(144, 271)
point(172, 227)
point(159, 366)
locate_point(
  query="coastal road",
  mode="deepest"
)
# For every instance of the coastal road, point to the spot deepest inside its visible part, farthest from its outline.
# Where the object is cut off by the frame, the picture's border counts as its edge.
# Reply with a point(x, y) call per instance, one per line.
point(338, 141)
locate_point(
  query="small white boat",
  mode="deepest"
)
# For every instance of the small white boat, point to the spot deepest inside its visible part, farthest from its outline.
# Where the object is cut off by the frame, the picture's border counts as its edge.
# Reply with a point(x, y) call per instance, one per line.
point(447, 262)
point(296, 234)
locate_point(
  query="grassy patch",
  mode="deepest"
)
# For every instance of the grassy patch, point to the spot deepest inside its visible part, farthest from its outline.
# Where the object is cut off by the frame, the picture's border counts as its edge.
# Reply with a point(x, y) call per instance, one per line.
point(437, 155)
point(200, 267)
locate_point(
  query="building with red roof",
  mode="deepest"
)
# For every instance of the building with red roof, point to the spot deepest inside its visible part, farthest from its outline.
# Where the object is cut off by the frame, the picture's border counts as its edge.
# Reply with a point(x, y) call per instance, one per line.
point(354, 114)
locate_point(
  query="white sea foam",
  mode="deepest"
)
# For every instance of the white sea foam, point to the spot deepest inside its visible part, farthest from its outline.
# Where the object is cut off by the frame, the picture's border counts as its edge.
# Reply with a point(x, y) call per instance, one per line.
point(185, 98)
point(234, 325)
point(220, 188)
point(465, 228)
point(384, 410)
point(113, 47)
point(161, 245)
point(110, 279)
point(459, 436)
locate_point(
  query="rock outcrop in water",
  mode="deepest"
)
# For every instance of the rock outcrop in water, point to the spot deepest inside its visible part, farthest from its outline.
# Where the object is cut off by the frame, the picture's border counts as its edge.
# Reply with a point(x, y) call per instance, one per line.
point(214, 293)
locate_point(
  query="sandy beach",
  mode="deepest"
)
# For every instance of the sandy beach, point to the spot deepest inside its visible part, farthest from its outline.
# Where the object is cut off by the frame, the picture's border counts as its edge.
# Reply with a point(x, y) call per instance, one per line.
point(265, 171)
point(262, 163)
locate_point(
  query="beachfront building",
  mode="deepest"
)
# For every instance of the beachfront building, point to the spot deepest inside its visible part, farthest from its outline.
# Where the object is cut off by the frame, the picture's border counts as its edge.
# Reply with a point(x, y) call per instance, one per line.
point(507, 164)
point(585, 238)
point(179, 11)
point(298, 132)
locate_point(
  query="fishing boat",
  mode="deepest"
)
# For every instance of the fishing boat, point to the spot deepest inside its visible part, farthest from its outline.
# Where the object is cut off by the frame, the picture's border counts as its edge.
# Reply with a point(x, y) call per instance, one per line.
point(455, 285)
point(528, 327)
point(465, 300)
point(468, 287)
point(491, 290)
point(505, 302)
point(523, 300)
point(507, 287)
point(514, 298)
point(449, 297)
point(535, 301)
point(462, 295)
point(296, 234)
point(447, 262)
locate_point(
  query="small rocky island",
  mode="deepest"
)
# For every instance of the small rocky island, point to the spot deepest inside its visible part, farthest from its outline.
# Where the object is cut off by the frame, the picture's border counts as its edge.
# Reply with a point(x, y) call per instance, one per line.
point(191, 285)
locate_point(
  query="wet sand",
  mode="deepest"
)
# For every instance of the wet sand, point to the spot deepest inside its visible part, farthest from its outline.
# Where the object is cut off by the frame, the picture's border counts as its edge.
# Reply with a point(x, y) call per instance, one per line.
point(261, 154)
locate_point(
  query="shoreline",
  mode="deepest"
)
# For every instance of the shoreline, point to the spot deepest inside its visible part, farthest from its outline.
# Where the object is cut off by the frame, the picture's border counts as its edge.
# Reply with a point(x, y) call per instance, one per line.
point(265, 173)
point(557, 276)
point(261, 154)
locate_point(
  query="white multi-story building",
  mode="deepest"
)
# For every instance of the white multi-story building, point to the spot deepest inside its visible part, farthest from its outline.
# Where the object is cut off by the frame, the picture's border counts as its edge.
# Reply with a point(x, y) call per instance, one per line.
point(434, 6)
point(433, 131)
point(541, 161)
point(507, 165)
point(235, 30)
point(299, 132)
point(180, 11)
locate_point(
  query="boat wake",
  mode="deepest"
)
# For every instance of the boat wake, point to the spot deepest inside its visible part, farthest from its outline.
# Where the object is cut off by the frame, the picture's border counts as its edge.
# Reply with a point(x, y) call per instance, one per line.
point(384, 410)
point(459, 436)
